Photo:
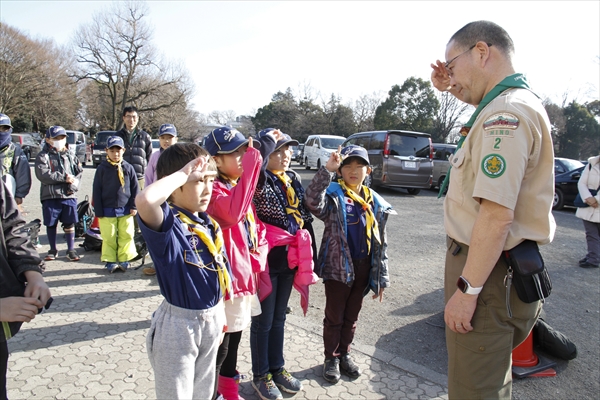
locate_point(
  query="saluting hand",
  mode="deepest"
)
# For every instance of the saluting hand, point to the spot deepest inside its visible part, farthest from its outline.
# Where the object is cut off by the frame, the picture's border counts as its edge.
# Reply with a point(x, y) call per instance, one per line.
point(197, 169)
point(439, 77)
point(335, 160)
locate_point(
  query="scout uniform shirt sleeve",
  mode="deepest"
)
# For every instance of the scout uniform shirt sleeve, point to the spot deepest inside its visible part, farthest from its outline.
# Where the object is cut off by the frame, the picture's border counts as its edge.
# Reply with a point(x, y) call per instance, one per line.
point(505, 143)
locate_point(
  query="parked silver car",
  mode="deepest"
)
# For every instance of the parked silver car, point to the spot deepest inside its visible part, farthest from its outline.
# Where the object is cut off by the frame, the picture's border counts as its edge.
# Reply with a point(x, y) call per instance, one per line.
point(77, 144)
point(402, 159)
point(441, 155)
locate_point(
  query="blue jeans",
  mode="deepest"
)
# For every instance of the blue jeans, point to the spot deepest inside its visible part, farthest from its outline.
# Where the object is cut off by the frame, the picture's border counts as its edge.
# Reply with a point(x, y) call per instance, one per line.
point(266, 330)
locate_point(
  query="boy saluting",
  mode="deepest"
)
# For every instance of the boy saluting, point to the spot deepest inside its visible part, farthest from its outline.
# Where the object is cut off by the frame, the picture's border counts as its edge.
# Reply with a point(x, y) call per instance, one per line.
point(193, 273)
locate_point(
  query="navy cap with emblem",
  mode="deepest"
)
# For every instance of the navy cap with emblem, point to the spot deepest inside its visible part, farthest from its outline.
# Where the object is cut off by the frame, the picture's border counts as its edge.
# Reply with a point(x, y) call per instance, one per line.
point(225, 140)
point(167, 129)
point(115, 141)
point(55, 131)
point(355, 151)
point(5, 121)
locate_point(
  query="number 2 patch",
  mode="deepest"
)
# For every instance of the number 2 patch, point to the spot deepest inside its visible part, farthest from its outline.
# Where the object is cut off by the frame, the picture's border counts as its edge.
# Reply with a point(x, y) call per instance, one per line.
point(493, 165)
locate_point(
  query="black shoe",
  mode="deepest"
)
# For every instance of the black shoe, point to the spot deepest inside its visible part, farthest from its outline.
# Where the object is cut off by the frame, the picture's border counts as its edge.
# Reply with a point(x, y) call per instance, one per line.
point(583, 260)
point(348, 366)
point(331, 370)
point(588, 265)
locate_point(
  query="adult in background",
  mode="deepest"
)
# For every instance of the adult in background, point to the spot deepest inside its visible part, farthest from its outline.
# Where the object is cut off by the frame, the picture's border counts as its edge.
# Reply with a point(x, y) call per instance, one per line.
point(138, 144)
point(13, 163)
point(500, 194)
point(590, 180)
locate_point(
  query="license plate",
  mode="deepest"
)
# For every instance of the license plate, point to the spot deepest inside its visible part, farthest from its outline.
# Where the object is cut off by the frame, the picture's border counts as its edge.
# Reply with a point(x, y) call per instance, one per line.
point(410, 164)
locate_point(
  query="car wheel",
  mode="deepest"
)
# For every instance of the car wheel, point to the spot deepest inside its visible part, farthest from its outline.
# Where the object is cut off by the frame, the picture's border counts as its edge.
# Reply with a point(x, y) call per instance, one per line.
point(413, 191)
point(95, 165)
point(559, 200)
point(319, 163)
point(27, 155)
point(301, 161)
point(306, 163)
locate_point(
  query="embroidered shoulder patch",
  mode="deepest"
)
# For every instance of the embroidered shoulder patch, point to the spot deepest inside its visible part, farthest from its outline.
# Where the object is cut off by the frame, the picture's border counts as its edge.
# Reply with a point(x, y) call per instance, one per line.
point(493, 165)
point(501, 124)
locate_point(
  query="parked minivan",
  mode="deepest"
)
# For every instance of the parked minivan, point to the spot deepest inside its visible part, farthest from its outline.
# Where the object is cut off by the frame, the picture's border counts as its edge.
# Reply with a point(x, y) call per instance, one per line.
point(317, 149)
point(77, 144)
point(400, 159)
point(441, 155)
point(99, 149)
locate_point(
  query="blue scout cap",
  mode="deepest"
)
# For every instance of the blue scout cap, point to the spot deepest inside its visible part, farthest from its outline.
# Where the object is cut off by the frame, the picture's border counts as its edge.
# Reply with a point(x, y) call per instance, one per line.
point(55, 131)
point(115, 141)
point(285, 140)
point(225, 140)
point(354, 151)
point(4, 120)
point(167, 129)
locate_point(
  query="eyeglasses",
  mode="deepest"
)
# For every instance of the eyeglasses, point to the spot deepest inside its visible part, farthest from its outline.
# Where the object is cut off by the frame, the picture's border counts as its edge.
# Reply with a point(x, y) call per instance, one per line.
point(464, 52)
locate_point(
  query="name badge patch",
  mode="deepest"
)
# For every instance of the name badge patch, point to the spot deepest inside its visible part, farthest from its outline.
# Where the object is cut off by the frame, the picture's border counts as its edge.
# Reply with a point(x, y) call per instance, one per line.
point(501, 124)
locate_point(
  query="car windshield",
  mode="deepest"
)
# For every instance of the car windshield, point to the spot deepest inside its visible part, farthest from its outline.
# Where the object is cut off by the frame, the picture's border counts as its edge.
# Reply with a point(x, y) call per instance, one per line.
point(571, 164)
point(332, 143)
point(407, 146)
point(101, 139)
point(155, 144)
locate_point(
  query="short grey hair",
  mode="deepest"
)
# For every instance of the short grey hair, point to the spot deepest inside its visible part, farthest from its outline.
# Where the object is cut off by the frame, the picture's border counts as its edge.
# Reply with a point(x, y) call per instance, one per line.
point(484, 31)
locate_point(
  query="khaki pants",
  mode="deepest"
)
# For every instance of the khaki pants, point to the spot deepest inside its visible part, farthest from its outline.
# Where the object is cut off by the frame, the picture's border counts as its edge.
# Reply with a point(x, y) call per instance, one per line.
point(479, 362)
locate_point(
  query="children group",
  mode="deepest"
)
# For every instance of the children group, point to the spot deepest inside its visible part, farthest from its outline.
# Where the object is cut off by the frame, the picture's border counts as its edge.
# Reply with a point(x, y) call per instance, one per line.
point(229, 228)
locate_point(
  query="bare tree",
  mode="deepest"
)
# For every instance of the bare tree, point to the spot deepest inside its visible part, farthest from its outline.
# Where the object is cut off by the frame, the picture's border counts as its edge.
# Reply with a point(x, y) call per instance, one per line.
point(115, 52)
point(448, 119)
point(221, 117)
point(35, 87)
point(364, 111)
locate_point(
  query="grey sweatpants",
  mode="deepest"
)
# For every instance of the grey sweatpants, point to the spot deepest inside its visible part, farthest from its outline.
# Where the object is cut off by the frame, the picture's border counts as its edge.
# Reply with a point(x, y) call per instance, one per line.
point(182, 347)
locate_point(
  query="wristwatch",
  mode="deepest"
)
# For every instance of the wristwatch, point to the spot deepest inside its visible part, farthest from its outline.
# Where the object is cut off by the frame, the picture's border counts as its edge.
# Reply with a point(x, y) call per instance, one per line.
point(465, 287)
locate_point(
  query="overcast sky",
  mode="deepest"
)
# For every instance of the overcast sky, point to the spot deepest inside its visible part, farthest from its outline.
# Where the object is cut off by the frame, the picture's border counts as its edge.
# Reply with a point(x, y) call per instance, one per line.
point(241, 53)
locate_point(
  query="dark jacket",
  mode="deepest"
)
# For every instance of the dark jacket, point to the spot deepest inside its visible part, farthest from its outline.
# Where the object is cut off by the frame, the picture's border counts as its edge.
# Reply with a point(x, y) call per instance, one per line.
point(138, 149)
point(107, 189)
point(325, 199)
point(51, 169)
point(17, 255)
point(15, 163)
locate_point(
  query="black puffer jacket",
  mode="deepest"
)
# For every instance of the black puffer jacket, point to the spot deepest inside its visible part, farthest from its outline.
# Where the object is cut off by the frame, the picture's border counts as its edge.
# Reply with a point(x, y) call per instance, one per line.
point(138, 149)
point(17, 255)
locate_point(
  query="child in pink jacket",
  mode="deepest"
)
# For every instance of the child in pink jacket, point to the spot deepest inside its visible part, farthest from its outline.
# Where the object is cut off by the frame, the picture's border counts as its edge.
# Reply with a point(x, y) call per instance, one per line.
point(239, 166)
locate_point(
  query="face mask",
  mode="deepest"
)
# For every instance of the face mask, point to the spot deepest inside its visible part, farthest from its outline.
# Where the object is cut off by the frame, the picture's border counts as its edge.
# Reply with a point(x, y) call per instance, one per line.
point(5, 138)
point(59, 144)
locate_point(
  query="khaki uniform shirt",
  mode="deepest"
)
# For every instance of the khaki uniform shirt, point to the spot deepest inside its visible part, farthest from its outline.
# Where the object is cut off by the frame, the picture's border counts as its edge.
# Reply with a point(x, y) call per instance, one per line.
point(507, 158)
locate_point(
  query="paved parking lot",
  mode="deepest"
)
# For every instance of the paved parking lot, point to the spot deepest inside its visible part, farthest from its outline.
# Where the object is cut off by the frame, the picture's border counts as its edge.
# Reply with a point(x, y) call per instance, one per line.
point(91, 343)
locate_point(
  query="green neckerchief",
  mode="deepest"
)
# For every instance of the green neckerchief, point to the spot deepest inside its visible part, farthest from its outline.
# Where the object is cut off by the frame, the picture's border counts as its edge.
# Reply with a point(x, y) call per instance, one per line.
point(511, 81)
point(132, 135)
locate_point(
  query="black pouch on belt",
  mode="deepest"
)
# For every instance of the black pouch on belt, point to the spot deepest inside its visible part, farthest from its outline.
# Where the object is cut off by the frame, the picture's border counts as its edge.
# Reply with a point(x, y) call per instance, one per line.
point(530, 276)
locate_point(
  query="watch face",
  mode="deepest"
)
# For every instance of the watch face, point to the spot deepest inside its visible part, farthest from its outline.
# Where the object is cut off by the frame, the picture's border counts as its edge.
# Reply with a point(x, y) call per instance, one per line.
point(461, 284)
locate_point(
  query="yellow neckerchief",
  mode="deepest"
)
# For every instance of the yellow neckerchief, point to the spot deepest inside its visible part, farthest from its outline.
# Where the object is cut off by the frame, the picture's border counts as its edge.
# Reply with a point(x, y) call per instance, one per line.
point(119, 166)
point(371, 225)
point(293, 201)
point(250, 223)
point(215, 248)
